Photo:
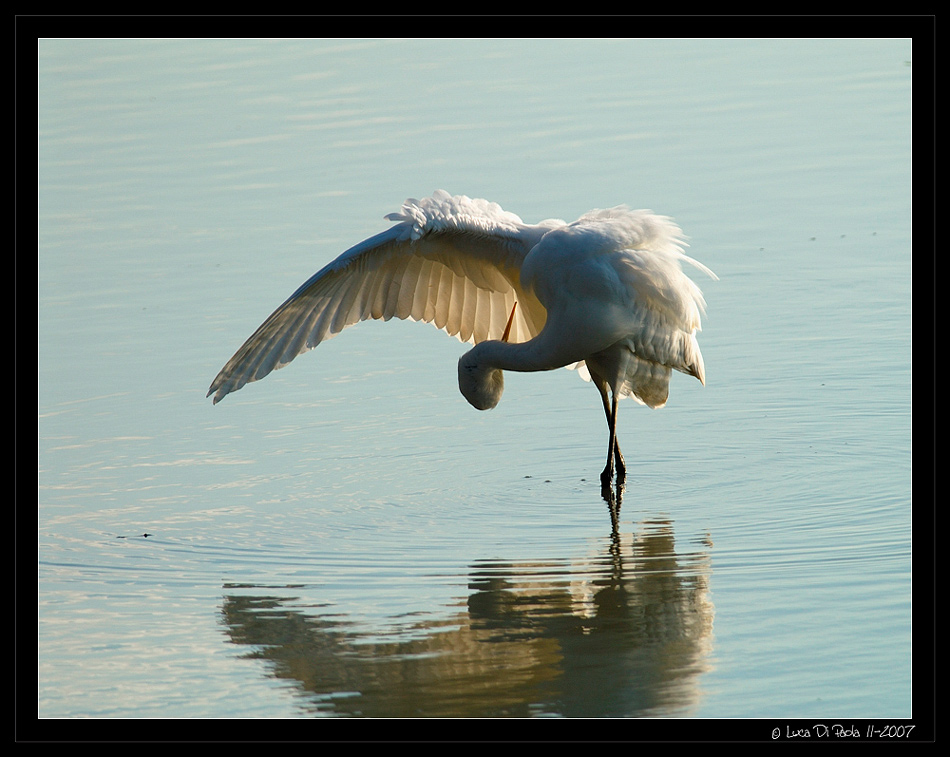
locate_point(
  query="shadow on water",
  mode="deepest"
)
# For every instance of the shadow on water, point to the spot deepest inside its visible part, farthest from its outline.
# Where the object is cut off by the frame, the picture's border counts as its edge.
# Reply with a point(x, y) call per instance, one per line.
point(625, 632)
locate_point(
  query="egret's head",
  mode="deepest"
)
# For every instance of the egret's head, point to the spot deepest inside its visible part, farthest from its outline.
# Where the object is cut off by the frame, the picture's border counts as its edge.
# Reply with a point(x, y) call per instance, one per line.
point(479, 383)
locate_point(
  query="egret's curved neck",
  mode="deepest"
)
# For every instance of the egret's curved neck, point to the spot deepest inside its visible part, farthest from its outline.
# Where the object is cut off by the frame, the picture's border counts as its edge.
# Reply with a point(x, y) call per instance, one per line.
point(506, 356)
point(480, 369)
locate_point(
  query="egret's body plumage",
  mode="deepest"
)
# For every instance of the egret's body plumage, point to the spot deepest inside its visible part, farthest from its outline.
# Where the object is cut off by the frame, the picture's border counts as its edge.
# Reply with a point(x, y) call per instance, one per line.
point(605, 294)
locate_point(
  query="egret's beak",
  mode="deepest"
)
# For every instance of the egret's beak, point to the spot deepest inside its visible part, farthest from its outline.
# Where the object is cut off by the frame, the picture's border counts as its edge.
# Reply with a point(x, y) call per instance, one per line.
point(504, 337)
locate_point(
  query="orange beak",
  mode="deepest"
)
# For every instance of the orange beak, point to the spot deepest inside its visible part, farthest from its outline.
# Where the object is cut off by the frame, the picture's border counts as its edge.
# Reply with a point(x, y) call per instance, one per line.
point(504, 337)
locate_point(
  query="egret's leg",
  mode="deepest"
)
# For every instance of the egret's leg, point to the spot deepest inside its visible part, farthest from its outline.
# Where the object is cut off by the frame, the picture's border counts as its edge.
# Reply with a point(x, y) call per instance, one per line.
point(618, 457)
point(614, 456)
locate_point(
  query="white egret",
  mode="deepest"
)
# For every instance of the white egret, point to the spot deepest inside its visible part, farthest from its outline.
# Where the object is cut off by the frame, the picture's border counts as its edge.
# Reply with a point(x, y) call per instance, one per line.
point(605, 294)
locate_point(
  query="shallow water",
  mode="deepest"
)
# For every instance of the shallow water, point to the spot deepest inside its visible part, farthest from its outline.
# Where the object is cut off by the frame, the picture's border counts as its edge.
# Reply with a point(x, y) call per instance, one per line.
point(349, 537)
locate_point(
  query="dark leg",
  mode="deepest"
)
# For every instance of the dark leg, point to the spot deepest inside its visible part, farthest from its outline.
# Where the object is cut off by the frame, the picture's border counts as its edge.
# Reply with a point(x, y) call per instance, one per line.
point(618, 458)
point(612, 445)
point(614, 456)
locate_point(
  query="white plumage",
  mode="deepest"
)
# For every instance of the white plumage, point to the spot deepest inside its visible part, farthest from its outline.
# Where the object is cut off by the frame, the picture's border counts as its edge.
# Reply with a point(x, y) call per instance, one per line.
point(605, 294)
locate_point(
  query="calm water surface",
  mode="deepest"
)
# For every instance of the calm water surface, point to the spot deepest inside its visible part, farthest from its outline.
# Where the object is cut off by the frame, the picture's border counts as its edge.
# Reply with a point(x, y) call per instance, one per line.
point(349, 537)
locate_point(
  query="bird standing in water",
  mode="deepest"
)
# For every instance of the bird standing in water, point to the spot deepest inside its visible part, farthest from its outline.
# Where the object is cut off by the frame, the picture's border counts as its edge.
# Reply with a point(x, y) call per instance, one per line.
point(605, 294)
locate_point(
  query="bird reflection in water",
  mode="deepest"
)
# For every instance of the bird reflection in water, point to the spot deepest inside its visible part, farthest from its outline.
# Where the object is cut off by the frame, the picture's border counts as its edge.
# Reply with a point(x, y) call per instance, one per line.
point(613, 496)
point(627, 632)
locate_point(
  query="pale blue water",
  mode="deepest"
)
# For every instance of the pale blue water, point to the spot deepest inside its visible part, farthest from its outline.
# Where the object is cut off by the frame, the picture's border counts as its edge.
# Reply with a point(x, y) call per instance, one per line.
point(349, 537)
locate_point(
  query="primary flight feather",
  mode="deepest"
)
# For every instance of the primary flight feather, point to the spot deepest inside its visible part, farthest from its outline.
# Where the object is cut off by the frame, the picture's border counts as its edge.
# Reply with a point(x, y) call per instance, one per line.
point(606, 294)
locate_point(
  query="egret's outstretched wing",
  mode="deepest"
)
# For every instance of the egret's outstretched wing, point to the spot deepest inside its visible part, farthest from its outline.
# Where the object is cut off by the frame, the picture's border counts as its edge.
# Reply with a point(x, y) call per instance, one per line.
point(450, 261)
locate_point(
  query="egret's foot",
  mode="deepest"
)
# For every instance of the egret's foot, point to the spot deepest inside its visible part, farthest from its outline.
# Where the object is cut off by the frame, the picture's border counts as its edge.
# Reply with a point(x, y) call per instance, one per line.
point(614, 462)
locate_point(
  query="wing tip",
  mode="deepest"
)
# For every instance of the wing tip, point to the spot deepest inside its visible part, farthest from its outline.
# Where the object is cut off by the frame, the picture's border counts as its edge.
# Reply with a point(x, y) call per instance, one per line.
point(220, 389)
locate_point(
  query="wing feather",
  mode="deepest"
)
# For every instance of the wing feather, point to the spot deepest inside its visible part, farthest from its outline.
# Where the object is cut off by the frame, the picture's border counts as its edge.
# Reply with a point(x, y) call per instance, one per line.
point(450, 261)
